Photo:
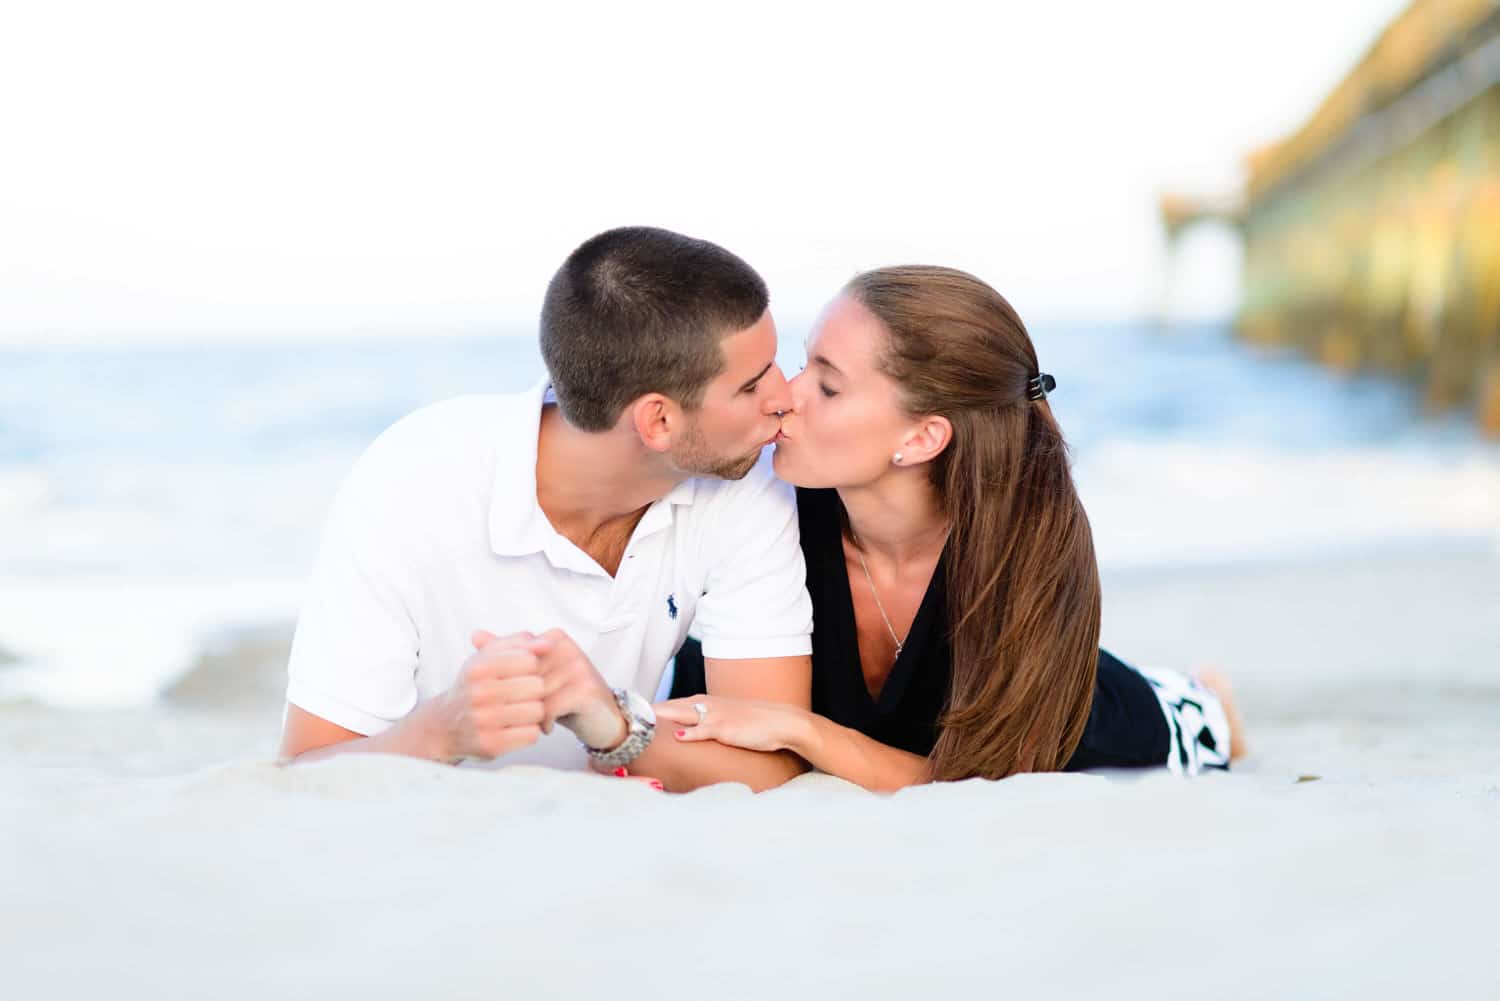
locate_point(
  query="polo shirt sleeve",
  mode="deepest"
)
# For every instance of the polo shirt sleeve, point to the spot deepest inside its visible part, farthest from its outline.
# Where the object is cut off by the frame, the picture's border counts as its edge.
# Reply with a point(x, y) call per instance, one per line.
point(354, 655)
point(755, 601)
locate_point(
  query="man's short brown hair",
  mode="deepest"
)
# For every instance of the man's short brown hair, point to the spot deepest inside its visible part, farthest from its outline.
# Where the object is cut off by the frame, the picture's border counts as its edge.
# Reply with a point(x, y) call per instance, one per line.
point(639, 310)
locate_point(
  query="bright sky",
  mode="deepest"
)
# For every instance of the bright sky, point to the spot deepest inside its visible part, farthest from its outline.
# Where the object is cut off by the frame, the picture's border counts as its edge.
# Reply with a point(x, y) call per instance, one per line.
point(211, 168)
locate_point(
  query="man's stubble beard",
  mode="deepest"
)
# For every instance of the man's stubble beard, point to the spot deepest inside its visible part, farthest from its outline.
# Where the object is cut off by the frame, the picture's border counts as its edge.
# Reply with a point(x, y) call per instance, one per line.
point(692, 456)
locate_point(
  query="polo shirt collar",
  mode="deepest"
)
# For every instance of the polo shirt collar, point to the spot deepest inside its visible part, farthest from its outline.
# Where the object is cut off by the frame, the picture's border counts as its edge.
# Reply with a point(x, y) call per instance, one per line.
point(659, 515)
point(518, 526)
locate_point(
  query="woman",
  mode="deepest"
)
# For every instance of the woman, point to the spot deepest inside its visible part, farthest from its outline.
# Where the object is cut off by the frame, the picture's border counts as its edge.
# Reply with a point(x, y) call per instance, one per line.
point(951, 566)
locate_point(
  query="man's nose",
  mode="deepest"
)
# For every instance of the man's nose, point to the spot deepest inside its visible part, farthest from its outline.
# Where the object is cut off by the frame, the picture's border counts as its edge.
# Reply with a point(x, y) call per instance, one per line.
point(778, 396)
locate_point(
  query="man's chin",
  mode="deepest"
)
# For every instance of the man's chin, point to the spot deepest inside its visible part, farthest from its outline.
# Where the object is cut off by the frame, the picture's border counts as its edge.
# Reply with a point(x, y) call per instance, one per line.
point(737, 470)
point(743, 469)
point(733, 469)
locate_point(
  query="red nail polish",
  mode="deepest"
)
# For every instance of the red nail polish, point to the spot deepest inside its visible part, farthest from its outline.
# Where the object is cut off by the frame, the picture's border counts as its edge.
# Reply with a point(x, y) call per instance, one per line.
point(620, 773)
point(682, 733)
point(658, 787)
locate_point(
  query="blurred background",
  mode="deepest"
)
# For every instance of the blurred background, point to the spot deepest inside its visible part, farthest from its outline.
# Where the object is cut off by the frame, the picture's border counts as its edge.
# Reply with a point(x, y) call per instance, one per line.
point(1258, 245)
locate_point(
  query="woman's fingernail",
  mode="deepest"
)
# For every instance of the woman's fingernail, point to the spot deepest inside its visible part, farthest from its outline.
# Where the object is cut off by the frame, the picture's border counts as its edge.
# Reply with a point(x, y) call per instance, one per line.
point(658, 787)
point(621, 773)
point(682, 733)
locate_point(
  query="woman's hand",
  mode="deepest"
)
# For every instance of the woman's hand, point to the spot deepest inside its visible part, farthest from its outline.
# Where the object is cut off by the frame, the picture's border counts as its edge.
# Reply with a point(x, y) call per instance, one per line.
point(753, 725)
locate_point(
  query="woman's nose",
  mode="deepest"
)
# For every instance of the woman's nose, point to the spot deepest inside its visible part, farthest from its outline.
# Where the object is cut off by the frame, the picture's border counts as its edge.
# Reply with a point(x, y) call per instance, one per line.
point(794, 388)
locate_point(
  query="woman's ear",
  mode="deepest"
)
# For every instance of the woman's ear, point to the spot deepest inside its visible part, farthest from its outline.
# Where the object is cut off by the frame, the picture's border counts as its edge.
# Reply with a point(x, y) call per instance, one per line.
point(655, 419)
point(927, 440)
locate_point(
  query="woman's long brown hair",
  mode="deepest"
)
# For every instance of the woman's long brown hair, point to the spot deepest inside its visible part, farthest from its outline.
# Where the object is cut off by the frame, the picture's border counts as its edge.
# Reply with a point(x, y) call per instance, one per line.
point(1023, 583)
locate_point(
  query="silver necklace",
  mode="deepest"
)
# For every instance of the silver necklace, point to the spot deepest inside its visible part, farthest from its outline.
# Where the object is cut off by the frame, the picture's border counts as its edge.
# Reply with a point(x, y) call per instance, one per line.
point(859, 551)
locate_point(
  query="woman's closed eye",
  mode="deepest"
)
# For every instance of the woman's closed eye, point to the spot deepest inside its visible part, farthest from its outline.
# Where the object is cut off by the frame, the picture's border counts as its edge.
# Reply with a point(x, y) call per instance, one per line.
point(826, 391)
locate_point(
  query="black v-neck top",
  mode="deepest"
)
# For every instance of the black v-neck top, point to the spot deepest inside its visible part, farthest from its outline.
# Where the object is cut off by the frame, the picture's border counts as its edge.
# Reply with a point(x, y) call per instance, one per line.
point(1126, 726)
point(916, 689)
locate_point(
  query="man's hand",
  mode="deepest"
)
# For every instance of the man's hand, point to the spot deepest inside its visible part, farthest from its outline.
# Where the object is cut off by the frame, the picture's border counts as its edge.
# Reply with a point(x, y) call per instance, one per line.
point(496, 705)
point(574, 694)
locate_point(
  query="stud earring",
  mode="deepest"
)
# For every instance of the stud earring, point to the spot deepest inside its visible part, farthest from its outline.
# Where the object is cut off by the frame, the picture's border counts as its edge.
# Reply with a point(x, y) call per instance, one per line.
point(897, 458)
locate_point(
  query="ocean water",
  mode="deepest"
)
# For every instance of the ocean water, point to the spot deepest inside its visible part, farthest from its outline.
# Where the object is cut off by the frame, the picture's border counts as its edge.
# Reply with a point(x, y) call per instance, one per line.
point(155, 500)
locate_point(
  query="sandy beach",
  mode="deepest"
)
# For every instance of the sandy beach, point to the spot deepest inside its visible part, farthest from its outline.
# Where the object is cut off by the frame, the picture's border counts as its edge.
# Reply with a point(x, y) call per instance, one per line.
point(158, 853)
point(1255, 251)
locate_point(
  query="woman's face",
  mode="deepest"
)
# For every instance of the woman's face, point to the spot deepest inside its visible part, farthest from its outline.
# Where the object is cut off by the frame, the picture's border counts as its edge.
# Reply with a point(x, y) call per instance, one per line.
point(846, 423)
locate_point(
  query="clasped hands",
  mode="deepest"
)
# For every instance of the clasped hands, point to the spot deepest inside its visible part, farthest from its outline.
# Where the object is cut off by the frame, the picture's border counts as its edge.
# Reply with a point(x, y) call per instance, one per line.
point(515, 688)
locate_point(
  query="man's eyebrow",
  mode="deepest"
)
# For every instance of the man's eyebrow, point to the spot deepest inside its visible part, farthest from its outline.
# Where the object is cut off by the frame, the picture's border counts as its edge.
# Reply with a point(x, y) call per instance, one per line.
point(751, 384)
point(821, 360)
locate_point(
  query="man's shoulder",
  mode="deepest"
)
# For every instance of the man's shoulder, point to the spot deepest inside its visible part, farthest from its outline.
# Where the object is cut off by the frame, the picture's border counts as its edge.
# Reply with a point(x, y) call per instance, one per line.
point(463, 430)
point(459, 420)
point(438, 451)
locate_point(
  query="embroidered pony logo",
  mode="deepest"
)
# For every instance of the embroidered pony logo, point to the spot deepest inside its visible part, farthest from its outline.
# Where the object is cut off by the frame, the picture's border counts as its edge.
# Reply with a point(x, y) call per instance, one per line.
point(672, 606)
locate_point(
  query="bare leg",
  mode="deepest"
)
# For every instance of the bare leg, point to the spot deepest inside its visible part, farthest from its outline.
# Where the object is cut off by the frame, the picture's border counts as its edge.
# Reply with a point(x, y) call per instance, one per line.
point(1218, 683)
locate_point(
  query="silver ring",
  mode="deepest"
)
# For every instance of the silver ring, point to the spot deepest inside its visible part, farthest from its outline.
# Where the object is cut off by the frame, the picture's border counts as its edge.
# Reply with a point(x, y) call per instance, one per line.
point(702, 710)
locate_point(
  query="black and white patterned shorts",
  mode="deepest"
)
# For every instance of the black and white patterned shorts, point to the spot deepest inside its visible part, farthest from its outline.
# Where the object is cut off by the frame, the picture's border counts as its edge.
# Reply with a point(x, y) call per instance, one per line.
point(1196, 722)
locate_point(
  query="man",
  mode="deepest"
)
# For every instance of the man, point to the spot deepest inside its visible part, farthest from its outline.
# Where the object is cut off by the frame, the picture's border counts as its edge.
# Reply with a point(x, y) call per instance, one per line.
point(570, 535)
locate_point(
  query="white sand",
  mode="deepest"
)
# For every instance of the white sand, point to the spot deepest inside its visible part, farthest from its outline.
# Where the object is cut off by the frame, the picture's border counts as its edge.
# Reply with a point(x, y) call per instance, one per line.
point(155, 853)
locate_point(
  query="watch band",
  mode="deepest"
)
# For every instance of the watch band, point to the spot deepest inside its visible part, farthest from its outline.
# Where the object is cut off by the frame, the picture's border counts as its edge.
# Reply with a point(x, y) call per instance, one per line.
point(640, 722)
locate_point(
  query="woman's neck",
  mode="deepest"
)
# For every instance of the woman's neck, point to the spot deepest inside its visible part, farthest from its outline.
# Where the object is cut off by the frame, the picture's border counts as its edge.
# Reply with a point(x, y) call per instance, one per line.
point(898, 517)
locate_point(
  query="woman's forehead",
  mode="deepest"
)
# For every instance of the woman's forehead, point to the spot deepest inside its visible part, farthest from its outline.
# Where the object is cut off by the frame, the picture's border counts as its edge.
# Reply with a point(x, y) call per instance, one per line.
point(846, 336)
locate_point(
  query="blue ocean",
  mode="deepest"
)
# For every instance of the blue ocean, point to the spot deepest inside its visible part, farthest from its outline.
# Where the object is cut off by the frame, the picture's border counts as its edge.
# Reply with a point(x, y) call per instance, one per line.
point(170, 491)
point(279, 400)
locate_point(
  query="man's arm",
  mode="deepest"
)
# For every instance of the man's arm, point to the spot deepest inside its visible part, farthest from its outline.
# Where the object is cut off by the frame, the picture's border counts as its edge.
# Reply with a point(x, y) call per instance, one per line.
point(494, 707)
point(306, 737)
point(772, 726)
point(684, 766)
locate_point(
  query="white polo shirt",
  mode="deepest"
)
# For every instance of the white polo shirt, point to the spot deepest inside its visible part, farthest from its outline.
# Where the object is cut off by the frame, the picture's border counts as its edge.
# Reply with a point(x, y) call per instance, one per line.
point(437, 532)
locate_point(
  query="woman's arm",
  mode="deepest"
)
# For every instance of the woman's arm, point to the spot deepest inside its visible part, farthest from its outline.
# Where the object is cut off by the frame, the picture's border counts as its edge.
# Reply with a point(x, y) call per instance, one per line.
point(769, 726)
point(851, 755)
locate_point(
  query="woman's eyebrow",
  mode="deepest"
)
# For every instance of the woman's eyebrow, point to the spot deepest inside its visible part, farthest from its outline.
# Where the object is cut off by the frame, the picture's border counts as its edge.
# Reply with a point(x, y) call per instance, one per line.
point(821, 360)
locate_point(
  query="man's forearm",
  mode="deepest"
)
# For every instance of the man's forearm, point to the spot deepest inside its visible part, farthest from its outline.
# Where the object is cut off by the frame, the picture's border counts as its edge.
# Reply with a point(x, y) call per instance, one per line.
point(684, 767)
point(309, 738)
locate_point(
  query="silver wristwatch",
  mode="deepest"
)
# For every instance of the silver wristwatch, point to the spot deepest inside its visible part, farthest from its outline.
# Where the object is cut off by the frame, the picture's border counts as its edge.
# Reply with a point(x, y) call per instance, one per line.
point(640, 722)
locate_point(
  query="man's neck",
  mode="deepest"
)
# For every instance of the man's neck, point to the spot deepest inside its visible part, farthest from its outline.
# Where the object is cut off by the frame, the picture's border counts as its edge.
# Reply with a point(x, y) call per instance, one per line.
point(586, 482)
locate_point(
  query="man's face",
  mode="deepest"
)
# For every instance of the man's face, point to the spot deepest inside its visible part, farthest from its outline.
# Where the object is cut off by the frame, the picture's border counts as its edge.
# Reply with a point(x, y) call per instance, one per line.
point(737, 418)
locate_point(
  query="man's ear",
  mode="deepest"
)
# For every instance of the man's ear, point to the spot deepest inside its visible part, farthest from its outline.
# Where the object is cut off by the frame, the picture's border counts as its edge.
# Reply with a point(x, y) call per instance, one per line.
point(655, 419)
point(927, 440)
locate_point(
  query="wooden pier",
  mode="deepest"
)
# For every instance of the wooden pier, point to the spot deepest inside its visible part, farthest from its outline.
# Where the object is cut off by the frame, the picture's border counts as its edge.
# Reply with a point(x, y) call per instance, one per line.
point(1372, 233)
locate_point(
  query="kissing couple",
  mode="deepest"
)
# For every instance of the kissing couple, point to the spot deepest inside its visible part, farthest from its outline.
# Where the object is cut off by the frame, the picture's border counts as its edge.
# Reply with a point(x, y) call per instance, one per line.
point(879, 568)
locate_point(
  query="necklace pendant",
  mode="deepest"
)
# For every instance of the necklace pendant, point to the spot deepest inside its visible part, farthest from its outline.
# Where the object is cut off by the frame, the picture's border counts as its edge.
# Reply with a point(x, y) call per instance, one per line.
point(876, 595)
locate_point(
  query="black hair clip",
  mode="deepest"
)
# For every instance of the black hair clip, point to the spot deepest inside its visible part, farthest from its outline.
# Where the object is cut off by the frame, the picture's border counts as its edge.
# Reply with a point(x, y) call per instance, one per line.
point(1040, 385)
